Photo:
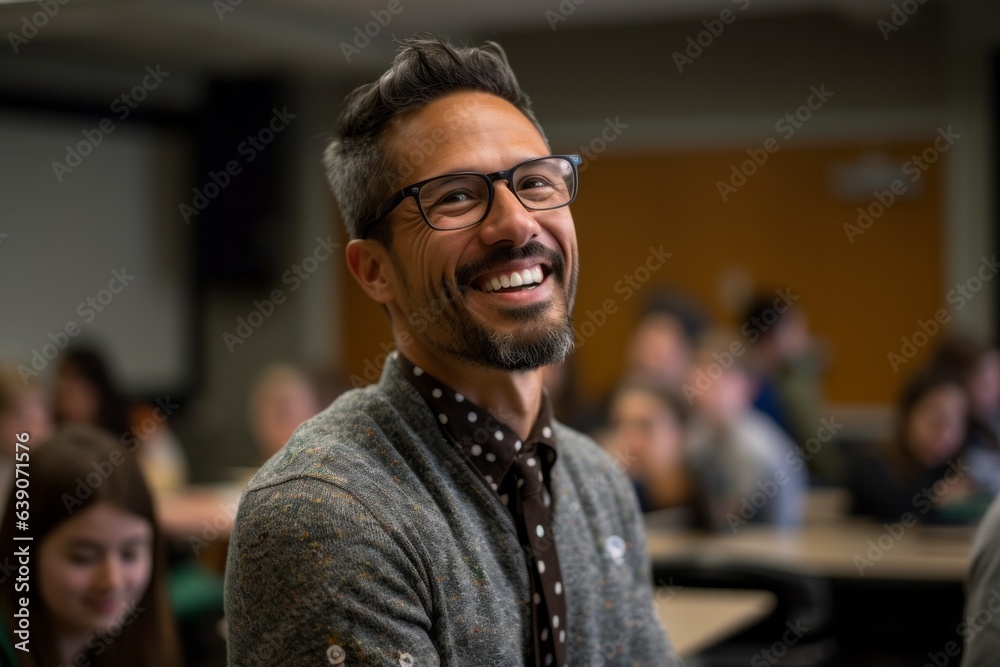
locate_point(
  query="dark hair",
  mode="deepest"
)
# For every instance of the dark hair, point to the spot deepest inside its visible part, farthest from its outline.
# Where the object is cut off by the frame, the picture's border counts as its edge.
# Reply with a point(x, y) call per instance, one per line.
point(58, 467)
point(919, 386)
point(961, 354)
point(668, 397)
point(682, 307)
point(89, 364)
point(760, 309)
point(361, 171)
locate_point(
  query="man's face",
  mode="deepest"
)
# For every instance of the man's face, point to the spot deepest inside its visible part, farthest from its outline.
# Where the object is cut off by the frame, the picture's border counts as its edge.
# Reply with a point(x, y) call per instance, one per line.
point(441, 277)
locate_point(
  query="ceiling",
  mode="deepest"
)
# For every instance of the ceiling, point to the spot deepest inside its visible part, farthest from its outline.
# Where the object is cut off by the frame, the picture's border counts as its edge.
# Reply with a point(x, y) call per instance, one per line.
point(318, 35)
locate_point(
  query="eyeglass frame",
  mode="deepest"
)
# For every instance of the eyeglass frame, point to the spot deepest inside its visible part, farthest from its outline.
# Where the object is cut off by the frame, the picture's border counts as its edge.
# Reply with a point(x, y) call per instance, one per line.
point(413, 190)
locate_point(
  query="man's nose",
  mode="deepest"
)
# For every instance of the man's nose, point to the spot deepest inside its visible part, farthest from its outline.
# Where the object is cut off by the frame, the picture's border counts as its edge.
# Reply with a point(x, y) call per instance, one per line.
point(508, 220)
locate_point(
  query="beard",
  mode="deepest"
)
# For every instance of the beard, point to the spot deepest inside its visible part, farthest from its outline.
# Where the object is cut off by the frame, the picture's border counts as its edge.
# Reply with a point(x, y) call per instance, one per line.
point(442, 320)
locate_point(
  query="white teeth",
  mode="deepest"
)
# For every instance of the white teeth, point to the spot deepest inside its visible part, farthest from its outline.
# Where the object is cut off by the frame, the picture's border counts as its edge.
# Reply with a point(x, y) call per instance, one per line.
point(515, 279)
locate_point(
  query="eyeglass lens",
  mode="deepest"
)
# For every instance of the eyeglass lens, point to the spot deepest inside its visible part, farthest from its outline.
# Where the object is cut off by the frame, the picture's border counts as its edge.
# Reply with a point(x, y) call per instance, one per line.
point(454, 201)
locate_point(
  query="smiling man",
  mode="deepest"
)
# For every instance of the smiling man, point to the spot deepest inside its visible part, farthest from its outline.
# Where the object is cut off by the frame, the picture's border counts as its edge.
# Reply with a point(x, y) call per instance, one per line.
point(442, 517)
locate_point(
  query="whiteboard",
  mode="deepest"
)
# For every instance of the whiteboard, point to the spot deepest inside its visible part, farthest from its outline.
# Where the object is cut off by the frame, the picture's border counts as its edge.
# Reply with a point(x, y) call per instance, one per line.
point(63, 241)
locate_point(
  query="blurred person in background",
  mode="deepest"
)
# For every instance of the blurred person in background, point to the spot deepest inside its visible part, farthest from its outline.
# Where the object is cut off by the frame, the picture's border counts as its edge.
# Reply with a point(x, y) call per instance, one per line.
point(663, 341)
point(922, 469)
point(86, 393)
point(198, 520)
point(787, 374)
point(747, 468)
point(282, 397)
point(97, 585)
point(979, 366)
point(23, 409)
point(646, 437)
point(158, 451)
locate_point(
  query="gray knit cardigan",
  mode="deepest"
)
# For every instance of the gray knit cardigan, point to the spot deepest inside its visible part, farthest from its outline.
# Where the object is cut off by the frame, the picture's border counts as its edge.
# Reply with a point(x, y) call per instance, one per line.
point(369, 540)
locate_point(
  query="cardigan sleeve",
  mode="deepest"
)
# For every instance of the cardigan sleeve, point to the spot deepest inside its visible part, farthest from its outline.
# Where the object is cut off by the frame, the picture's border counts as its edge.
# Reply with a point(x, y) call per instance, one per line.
point(313, 576)
point(980, 627)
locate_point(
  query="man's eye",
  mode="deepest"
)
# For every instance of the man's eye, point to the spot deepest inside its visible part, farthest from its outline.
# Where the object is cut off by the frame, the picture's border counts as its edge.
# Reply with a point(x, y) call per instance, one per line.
point(455, 197)
point(454, 200)
point(533, 182)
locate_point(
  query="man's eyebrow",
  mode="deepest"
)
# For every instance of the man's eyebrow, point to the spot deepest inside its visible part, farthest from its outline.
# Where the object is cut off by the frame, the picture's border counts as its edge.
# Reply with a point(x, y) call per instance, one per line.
point(453, 176)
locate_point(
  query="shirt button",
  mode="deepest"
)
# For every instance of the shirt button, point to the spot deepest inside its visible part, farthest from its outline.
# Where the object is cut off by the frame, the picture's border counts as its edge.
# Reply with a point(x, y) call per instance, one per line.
point(335, 655)
point(405, 660)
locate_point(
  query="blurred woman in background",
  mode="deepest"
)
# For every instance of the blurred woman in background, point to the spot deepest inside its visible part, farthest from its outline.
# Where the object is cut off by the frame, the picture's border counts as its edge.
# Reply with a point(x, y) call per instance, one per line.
point(978, 366)
point(96, 584)
point(646, 438)
point(922, 469)
point(662, 345)
point(85, 393)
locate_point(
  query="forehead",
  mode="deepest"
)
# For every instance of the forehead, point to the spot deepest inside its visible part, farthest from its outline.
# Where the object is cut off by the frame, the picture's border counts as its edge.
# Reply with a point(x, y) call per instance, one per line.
point(101, 522)
point(945, 393)
point(635, 399)
point(462, 131)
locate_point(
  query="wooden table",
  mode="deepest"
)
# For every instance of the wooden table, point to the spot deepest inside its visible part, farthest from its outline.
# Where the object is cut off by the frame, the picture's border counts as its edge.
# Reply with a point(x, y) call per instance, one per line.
point(696, 618)
point(846, 548)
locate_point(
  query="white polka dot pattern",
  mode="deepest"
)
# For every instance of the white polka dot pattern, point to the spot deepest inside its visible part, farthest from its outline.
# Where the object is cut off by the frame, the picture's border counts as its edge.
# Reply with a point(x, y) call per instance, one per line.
point(518, 473)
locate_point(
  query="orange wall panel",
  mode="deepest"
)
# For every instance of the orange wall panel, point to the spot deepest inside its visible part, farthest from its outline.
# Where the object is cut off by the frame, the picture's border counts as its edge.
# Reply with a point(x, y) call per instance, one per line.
point(782, 228)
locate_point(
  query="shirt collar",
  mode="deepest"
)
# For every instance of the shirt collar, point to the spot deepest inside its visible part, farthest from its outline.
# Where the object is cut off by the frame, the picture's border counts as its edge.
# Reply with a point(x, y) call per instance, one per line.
point(488, 443)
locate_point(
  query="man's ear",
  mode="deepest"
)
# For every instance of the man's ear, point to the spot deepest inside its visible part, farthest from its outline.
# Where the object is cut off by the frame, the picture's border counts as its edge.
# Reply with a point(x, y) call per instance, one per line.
point(370, 265)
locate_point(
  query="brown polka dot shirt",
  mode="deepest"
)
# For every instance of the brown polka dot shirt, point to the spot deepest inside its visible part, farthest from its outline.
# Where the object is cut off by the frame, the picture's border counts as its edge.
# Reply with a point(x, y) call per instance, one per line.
point(519, 473)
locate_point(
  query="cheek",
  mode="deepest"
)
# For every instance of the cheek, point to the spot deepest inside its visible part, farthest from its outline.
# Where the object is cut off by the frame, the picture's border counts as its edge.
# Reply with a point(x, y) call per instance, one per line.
point(418, 272)
point(139, 574)
point(955, 431)
point(59, 580)
point(930, 435)
point(269, 418)
point(564, 233)
point(669, 437)
point(918, 424)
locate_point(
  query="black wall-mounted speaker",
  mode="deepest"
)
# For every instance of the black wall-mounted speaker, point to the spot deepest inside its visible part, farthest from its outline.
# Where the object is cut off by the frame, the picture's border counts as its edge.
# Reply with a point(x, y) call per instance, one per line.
point(242, 136)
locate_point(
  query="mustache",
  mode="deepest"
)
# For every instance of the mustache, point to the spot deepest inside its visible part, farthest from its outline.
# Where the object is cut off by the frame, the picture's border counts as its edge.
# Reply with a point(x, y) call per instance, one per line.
point(501, 256)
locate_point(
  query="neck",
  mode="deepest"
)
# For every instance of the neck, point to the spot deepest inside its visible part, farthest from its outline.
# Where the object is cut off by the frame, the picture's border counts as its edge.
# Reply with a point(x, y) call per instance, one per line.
point(512, 397)
point(71, 646)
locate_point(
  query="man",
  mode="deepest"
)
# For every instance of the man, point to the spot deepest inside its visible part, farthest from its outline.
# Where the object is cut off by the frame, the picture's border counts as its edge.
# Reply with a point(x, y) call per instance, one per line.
point(980, 627)
point(442, 517)
point(747, 469)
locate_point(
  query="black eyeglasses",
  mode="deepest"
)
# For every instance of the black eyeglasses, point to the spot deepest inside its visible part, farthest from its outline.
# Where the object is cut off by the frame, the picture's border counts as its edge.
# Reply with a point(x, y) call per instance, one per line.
point(463, 199)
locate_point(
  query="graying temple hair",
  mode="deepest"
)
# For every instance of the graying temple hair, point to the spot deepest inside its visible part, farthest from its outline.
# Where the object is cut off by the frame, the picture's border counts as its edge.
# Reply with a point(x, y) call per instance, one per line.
point(358, 166)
